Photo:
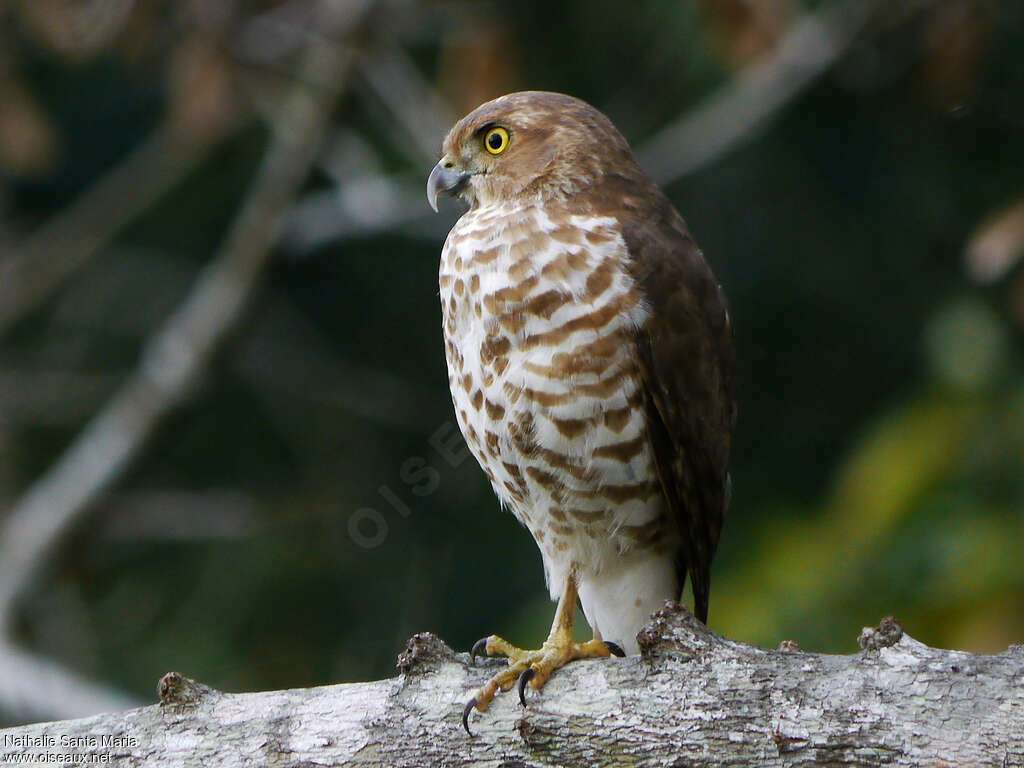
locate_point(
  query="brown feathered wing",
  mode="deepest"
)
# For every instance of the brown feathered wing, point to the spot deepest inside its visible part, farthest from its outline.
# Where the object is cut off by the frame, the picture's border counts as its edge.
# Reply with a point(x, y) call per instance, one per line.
point(685, 355)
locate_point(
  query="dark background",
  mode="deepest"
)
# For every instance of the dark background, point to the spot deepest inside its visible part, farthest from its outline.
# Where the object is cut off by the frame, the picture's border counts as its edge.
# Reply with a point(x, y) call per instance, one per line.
point(280, 528)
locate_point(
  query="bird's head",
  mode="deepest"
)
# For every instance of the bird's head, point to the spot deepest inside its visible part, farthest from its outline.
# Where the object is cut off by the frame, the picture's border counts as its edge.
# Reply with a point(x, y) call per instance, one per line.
point(527, 144)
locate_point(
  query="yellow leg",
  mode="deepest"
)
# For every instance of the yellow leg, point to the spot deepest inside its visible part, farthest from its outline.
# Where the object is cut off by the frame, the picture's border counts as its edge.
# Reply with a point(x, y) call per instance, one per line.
point(534, 667)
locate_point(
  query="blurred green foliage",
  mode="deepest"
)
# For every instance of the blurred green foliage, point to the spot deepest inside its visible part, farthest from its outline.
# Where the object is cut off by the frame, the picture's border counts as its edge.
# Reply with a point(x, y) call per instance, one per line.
point(879, 456)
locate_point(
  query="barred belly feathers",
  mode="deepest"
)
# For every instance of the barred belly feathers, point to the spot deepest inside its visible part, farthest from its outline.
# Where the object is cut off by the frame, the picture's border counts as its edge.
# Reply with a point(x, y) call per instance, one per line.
point(538, 309)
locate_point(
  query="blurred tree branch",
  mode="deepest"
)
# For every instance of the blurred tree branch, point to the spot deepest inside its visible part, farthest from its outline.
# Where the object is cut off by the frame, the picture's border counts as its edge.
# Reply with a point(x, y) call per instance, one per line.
point(34, 687)
point(421, 116)
point(177, 354)
point(730, 116)
point(365, 200)
point(725, 120)
point(691, 698)
point(33, 270)
point(995, 249)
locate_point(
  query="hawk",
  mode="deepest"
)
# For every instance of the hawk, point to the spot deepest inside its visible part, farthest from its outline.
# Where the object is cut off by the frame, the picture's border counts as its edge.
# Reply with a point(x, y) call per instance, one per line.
point(589, 353)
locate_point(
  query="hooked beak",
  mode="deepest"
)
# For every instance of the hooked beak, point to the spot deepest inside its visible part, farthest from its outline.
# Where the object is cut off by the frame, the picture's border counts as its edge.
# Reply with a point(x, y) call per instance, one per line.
point(445, 179)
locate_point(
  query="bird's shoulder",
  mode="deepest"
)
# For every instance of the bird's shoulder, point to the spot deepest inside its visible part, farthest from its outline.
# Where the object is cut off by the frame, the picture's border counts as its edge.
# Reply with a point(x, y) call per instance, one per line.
point(682, 293)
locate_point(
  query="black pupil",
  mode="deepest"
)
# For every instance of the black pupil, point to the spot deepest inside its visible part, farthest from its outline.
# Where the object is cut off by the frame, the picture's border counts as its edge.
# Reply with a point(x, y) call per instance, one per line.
point(494, 140)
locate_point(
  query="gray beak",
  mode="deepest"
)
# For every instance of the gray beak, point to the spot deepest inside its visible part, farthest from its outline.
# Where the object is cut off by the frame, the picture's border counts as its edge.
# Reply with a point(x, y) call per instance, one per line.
point(445, 179)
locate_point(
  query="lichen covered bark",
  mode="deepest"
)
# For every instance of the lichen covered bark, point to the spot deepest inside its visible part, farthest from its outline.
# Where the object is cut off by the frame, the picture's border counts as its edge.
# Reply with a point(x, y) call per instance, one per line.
point(690, 699)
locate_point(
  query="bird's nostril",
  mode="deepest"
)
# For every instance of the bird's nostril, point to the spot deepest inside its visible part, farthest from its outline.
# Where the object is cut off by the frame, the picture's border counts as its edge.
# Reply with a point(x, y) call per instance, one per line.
point(449, 164)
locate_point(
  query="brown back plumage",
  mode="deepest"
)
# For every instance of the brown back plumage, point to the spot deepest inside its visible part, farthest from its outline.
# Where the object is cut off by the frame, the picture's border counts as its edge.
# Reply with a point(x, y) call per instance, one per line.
point(685, 351)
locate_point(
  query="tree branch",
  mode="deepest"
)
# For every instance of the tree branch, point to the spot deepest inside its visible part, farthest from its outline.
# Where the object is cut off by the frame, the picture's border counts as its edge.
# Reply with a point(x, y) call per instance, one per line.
point(37, 687)
point(731, 115)
point(690, 699)
point(36, 268)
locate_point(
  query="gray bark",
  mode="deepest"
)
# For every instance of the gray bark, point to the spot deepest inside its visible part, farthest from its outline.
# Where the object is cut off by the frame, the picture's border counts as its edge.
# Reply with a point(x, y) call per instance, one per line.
point(691, 698)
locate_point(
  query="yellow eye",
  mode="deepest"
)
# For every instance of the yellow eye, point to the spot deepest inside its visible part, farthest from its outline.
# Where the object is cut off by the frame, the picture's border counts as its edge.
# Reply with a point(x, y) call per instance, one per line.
point(496, 141)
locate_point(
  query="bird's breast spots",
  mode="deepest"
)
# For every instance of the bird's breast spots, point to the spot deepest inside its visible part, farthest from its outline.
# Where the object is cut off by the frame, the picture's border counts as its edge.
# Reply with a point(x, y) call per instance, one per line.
point(546, 399)
point(512, 392)
point(545, 304)
point(485, 257)
point(564, 367)
point(576, 260)
point(588, 517)
point(600, 280)
point(548, 481)
point(623, 451)
point(571, 428)
point(599, 236)
point(530, 247)
point(520, 268)
point(616, 419)
point(512, 323)
point(556, 513)
point(557, 270)
point(514, 293)
point(492, 442)
point(567, 234)
point(609, 385)
point(494, 347)
point(521, 230)
point(559, 335)
point(561, 530)
point(621, 494)
point(521, 433)
point(568, 464)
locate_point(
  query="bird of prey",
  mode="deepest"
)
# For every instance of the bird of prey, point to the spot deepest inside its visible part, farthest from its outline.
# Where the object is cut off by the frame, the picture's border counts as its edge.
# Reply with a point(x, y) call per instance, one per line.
point(589, 355)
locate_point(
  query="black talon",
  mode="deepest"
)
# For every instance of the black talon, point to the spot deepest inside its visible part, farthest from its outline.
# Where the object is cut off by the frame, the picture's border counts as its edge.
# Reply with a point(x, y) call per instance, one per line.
point(479, 649)
point(524, 678)
point(465, 714)
point(614, 649)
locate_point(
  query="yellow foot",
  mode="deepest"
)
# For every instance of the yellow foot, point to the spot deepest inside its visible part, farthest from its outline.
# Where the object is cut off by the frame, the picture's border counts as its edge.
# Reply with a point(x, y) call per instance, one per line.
point(531, 668)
